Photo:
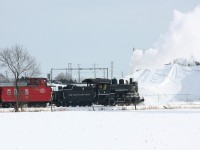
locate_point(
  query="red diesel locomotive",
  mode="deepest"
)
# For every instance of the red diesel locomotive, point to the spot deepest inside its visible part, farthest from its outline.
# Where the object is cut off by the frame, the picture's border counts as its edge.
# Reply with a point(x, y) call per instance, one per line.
point(34, 92)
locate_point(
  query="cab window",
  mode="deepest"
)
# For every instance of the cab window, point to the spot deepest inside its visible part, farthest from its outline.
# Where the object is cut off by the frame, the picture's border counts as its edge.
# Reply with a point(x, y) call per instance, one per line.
point(104, 86)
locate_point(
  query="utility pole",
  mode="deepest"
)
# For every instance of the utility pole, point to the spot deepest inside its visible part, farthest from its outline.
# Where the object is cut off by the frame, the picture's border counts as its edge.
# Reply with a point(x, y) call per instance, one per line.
point(70, 70)
point(104, 74)
point(51, 74)
point(112, 67)
point(95, 71)
point(67, 73)
point(79, 74)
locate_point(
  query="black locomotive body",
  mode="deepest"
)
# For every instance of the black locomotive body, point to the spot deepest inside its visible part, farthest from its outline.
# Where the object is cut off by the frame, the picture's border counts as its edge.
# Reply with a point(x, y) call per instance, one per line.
point(98, 91)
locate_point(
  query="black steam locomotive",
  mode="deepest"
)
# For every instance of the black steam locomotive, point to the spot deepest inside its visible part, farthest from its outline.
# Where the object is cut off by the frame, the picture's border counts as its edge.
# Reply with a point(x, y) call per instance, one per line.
point(98, 91)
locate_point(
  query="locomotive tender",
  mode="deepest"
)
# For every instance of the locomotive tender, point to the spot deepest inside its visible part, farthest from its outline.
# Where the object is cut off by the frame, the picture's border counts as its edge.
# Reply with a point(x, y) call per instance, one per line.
point(98, 91)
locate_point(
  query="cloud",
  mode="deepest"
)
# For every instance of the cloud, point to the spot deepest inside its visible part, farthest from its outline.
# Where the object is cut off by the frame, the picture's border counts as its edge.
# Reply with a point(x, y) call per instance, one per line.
point(182, 40)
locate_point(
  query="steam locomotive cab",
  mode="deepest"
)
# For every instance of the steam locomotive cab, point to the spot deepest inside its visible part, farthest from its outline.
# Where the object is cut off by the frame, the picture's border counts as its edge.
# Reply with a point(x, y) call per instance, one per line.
point(101, 90)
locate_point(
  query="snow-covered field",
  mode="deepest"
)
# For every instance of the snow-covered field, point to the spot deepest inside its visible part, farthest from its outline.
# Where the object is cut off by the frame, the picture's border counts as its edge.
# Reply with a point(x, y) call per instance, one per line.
point(101, 130)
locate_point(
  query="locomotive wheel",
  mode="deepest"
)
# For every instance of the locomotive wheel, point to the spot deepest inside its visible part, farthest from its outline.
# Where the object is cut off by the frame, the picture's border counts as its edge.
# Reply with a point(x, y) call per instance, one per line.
point(127, 103)
point(3, 105)
point(89, 104)
point(44, 105)
point(74, 104)
point(111, 102)
point(58, 104)
point(65, 104)
point(106, 103)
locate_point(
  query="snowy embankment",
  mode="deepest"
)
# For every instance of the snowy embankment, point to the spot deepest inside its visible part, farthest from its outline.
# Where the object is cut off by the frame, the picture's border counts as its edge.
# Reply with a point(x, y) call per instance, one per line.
point(101, 130)
point(169, 83)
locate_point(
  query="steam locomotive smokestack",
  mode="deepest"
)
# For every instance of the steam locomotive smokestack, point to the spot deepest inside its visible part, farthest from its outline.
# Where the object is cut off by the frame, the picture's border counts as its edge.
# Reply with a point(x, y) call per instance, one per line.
point(131, 80)
point(121, 81)
point(114, 81)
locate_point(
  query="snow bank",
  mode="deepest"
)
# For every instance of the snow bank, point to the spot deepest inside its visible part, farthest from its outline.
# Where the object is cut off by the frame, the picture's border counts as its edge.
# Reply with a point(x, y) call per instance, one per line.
point(169, 83)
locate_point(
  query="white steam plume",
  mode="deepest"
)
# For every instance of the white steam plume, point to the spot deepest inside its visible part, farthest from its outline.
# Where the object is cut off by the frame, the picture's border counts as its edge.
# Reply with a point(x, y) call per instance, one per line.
point(182, 40)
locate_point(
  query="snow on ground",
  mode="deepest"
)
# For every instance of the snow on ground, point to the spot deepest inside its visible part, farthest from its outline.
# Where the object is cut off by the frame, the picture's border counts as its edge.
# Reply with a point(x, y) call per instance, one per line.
point(101, 130)
point(153, 126)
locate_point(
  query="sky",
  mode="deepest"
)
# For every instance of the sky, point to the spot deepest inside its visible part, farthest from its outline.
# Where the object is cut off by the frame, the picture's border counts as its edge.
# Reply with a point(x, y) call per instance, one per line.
point(86, 32)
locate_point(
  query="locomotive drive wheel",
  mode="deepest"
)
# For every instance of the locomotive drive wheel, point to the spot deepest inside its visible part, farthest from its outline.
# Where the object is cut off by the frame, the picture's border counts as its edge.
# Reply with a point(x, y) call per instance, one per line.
point(128, 102)
point(111, 102)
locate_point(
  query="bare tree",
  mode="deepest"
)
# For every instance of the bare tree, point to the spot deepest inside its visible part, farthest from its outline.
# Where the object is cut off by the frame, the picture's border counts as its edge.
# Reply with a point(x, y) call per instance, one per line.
point(19, 61)
point(61, 76)
point(64, 78)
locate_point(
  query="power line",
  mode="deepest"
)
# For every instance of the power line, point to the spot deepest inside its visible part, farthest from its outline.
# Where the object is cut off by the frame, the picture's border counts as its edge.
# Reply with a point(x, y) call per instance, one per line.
point(112, 68)
point(79, 69)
